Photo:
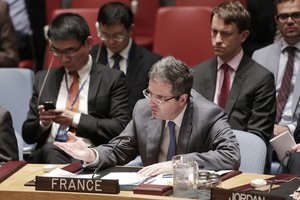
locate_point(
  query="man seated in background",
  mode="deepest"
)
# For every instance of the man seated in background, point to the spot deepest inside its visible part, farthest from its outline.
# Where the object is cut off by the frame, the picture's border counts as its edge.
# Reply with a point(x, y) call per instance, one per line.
point(232, 80)
point(115, 26)
point(173, 119)
point(8, 140)
point(90, 98)
point(9, 56)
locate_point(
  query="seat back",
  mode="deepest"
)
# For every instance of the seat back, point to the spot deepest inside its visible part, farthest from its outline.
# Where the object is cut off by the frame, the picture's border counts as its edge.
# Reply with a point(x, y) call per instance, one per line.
point(90, 15)
point(93, 3)
point(16, 90)
point(183, 32)
point(253, 152)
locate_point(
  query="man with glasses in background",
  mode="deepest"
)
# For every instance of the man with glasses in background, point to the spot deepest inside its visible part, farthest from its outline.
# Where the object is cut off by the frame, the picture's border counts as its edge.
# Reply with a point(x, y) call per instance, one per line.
point(282, 58)
point(89, 99)
point(117, 50)
point(173, 119)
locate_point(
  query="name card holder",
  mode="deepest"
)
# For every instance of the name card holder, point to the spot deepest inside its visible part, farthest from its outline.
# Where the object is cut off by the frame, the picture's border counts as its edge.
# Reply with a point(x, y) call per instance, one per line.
point(223, 194)
point(77, 185)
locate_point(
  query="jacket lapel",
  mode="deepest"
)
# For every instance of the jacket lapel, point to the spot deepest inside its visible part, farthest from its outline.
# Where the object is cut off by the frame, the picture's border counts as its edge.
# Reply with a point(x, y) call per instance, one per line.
point(154, 132)
point(236, 85)
point(95, 81)
point(185, 130)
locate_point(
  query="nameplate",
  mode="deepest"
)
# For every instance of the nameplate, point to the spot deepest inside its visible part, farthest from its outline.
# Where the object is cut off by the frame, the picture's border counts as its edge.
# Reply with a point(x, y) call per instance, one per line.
point(222, 194)
point(77, 185)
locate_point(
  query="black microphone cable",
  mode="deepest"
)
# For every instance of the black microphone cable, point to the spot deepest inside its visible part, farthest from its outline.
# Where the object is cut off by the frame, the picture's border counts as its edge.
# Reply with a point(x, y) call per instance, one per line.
point(287, 155)
point(113, 149)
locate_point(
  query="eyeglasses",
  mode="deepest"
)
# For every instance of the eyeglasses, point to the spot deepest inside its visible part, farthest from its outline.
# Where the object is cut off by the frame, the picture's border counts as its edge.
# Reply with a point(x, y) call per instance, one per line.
point(115, 38)
point(67, 52)
point(285, 16)
point(160, 100)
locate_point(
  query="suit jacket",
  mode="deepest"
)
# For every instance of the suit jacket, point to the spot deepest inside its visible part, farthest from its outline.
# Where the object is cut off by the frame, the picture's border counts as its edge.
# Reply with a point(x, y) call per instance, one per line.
point(269, 58)
point(251, 102)
point(140, 61)
point(8, 39)
point(204, 136)
point(8, 140)
point(108, 112)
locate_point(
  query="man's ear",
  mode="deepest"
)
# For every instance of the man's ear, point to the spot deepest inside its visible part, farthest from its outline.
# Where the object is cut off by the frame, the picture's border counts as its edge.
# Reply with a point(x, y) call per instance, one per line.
point(97, 25)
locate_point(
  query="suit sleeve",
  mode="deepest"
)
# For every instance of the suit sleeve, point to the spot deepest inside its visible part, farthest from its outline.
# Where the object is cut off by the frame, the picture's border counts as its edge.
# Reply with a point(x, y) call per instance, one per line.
point(8, 141)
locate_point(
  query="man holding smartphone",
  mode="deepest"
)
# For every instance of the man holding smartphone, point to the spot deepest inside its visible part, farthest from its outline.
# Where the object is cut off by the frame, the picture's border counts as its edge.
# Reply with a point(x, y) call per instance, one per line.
point(90, 99)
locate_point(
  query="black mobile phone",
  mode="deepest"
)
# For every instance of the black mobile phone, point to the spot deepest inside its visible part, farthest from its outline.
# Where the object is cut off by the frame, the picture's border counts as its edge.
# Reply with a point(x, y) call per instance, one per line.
point(48, 105)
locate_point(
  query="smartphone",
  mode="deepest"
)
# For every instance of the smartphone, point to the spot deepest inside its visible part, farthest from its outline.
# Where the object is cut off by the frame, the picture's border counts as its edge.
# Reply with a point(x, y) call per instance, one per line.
point(48, 105)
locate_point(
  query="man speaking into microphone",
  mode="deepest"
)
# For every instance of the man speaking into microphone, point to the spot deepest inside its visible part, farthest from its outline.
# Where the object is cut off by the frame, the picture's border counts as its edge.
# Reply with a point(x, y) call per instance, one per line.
point(89, 99)
point(173, 119)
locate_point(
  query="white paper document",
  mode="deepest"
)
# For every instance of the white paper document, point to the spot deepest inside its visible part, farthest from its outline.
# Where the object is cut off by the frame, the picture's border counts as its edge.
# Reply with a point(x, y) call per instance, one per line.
point(126, 178)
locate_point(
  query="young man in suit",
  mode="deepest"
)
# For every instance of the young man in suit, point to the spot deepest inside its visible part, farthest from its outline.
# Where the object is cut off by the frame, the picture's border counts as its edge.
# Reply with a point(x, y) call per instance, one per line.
point(8, 140)
point(243, 88)
point(90, 98)
point(173, 119)
point(275, 58)
point(115, 25)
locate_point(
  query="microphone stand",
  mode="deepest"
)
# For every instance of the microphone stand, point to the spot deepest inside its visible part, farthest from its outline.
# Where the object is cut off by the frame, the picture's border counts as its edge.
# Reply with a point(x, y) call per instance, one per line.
point(102, 162)
point(287, 155)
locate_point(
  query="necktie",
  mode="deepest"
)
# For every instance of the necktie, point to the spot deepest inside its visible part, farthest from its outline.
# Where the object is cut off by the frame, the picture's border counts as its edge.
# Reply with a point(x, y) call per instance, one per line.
point(116, 57)
point(283, 92)
point(225, 86)
point(72, 96)
point(172, 143)
point(73, 93)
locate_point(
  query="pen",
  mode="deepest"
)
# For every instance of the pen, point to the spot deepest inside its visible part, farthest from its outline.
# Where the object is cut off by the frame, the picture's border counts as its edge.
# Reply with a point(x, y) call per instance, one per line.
point(167, 175)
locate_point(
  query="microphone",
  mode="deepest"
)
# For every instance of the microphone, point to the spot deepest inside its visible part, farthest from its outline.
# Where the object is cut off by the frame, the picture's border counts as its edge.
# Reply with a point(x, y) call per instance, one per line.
point(45, 79)
point(120, 138)
point(287, 155)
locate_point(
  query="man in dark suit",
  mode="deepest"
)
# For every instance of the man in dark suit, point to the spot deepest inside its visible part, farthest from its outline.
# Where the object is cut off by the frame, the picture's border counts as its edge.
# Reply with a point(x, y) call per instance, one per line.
point(8, 140)
point(115, 25)
point(293, 165)
point(245, 89)
point(200, 128)
point(90, 98)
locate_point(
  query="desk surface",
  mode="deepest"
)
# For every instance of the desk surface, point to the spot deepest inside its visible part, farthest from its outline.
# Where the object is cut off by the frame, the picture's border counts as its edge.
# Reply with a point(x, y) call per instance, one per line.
point(13, 188)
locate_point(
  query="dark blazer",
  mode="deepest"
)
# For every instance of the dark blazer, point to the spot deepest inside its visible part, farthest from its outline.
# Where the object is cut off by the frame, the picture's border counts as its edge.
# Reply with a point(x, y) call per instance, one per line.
point(8, 140)
point(140, 61)
point(108, 111)
point(251, 102)
point(204, 135)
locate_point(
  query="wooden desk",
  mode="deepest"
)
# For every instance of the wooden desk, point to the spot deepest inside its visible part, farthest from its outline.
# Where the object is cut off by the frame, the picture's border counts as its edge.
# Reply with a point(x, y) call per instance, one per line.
point(13, 188)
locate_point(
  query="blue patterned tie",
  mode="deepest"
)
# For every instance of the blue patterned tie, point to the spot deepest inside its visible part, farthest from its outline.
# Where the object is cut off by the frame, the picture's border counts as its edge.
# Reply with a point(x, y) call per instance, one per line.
point(172, 143)
point(116, 57)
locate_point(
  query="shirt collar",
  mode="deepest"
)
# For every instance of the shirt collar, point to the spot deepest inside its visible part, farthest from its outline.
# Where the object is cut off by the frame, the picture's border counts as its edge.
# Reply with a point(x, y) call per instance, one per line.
point(234, 62)
point(178, 119)
point(123, 53)
point(85, 70)
point(284, 45)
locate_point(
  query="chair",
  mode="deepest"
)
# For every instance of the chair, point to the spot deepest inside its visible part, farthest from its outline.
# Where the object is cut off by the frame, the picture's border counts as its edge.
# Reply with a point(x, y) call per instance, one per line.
point(253, 152)
point(90, 15)
point(210, 3)
point(16, 90)
point(144, 22)
point(93, 3)
point(183, 32)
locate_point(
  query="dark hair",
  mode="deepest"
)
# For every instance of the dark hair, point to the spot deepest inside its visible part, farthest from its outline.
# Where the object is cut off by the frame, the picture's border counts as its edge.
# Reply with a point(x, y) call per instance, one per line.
point(276, 2)
point(233, 12)
point(115, 12)
point(68, 26)
point(175, 72)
